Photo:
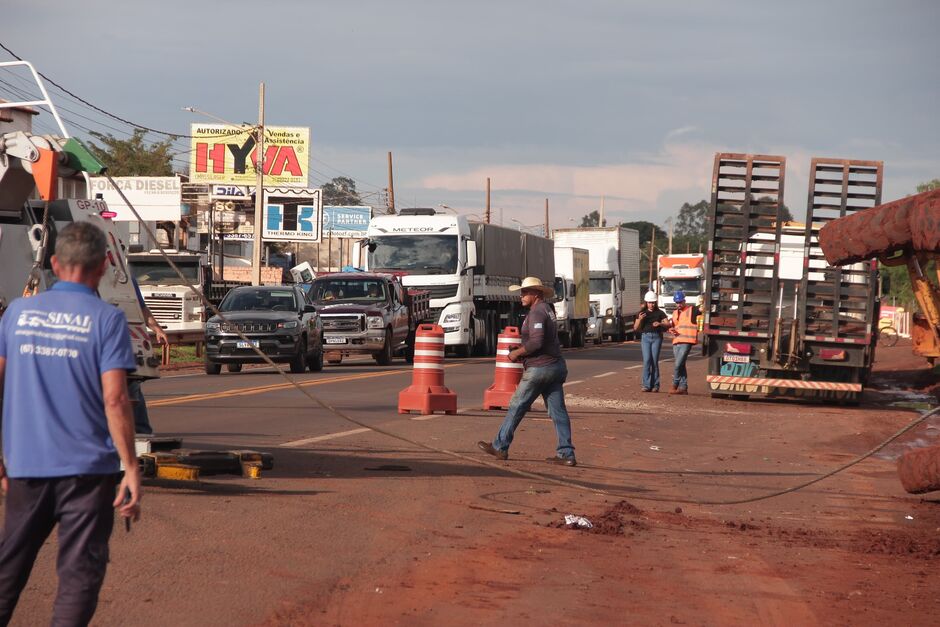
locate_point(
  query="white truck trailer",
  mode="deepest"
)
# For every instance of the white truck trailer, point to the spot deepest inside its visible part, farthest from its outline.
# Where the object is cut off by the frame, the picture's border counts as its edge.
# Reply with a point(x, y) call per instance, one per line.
point(680, 272)
point(572, 294)
point(466, 266)
point(614, 262)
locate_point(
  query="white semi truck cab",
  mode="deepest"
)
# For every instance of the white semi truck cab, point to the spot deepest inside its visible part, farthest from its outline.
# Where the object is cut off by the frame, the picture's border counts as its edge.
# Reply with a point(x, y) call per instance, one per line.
point(168, 298)
point(680, 272)
point(466, 267)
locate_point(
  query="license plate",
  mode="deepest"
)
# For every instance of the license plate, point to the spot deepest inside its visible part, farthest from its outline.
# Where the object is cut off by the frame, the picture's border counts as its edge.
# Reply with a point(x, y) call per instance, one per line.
point(738, 359)
point(335, 340)
point(244, 344)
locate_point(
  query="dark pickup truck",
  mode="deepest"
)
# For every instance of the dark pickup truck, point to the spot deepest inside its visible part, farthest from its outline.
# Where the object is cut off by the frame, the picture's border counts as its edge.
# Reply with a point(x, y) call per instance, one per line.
point(367, 313)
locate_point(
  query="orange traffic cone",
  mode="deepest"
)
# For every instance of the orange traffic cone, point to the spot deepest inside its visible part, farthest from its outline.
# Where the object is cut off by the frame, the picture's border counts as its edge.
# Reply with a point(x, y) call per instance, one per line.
point(508, 374)
point(427, 393)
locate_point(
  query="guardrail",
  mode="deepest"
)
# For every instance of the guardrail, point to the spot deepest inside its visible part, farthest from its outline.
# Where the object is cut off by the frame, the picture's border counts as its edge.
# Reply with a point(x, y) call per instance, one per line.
point(182, 338)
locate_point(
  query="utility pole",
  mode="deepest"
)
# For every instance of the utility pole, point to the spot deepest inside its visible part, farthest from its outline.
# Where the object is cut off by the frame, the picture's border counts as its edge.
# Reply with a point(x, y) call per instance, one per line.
point(391, 186)
point(652, 240)
point(486, 215)
point(601, 221)
point(670, 234)
point(259, 194)
point(548, 233)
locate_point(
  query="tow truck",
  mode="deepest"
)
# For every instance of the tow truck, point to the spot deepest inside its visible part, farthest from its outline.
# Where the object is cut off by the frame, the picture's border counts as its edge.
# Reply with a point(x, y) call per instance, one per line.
point(33, 168)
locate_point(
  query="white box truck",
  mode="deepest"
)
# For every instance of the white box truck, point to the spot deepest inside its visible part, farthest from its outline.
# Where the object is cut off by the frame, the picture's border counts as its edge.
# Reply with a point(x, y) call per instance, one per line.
point(572, 294)
point(466, 266)
point(614, 277)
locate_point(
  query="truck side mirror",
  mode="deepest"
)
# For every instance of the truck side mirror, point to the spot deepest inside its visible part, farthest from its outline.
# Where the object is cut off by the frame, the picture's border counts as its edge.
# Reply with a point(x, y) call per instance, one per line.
point(310, 308)
point(623, 284)
point(572, 290)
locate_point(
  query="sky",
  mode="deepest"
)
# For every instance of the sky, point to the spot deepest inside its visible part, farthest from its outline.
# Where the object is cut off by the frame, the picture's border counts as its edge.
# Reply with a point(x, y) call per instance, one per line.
point(570, 101)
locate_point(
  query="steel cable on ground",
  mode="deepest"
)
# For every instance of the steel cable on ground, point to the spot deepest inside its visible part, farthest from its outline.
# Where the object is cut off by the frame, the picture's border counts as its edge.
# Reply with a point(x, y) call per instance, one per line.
point(485, 462)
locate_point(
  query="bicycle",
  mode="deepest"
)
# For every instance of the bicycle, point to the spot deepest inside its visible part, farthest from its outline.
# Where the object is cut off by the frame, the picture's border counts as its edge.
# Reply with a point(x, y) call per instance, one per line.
point(888, 336)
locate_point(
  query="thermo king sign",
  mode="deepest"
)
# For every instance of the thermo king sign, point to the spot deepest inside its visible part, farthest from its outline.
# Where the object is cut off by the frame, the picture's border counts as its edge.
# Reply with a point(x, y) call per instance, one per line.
point(291, 214)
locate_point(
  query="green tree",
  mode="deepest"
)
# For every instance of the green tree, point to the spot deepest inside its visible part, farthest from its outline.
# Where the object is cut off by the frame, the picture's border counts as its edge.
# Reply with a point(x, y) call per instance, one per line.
point(929, 186)
point(691, 220)
point(341, 191)
point(592, 219)
point(646, 230)
point(134, 157)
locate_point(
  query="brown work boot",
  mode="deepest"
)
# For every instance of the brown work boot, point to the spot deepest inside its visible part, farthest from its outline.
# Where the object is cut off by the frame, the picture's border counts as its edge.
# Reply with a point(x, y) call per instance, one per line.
point(486, 447)
point(674, 390)
point(682, 391)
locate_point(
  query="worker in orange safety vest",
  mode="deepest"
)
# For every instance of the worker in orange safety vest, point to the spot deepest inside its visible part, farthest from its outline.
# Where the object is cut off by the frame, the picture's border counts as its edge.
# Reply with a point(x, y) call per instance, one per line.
point(683, 325)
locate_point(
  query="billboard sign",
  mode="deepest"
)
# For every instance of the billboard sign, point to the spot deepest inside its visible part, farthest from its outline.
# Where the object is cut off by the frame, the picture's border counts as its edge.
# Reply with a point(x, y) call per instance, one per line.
point(292, 214)
point(155, 198)
point(227, 154)
point(346, 221)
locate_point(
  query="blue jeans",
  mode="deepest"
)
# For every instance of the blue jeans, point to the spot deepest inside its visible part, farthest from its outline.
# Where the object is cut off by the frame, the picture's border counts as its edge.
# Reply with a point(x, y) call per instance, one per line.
point(139, 407)
point(650, 343)
point(547, 382)
point(680, 378)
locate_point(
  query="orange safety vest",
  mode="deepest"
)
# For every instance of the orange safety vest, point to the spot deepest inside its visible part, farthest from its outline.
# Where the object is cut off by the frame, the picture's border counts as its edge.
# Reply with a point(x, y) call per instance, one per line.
point(682, 322)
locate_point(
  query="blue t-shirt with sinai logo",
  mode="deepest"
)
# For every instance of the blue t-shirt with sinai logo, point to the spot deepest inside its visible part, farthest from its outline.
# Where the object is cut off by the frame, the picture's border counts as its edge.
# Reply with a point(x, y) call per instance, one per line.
point(57, 345)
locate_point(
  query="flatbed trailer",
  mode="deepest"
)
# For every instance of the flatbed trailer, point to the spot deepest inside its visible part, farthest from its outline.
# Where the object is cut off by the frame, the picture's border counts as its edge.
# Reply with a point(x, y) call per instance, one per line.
point(768, 330)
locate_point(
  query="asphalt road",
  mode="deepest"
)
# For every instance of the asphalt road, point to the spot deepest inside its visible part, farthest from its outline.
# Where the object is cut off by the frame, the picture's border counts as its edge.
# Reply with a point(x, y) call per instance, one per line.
point(259, 408)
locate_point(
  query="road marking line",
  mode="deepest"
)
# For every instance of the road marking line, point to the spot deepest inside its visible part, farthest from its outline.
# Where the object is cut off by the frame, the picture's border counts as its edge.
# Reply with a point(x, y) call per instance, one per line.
point(274, 387)
point(606, 374)
point(323, 438)
point(632, 367)
point(573, 382)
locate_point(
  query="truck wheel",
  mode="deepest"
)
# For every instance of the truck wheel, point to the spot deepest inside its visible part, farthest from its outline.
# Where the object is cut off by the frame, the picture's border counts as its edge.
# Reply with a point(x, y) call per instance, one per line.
point(233, 367)
point(384, 356)
point(315, 363)
point(212, 367)
point(298, 363)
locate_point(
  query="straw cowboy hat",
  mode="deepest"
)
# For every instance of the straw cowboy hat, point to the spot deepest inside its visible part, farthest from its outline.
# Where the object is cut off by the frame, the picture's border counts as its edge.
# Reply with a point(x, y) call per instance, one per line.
point(532, 283)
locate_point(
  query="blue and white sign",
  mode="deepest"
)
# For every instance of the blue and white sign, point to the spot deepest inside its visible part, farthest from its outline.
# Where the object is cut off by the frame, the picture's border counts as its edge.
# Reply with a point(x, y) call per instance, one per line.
point(346, 221)
point(291, 214)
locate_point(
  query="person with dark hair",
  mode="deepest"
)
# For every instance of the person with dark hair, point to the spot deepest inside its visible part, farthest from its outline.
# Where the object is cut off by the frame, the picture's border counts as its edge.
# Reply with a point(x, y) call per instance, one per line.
point(67, 427)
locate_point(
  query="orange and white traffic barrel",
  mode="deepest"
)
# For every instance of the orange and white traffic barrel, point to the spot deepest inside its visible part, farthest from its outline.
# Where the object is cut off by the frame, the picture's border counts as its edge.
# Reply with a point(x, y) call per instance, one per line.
point(427, 393)
point(508, 374)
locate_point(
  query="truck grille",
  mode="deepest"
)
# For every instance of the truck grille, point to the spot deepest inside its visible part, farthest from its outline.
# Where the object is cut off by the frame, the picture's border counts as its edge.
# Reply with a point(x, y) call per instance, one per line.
point(343, 323)
point(434, 315)
point(437, 291)
point(248, 327)
point(165, 309)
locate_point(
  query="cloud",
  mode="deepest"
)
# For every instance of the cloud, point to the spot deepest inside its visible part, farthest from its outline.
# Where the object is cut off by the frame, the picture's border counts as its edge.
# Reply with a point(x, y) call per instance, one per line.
point(636, 185)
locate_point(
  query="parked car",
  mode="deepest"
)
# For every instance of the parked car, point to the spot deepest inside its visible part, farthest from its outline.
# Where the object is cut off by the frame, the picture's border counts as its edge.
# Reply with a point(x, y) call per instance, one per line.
point(593, 325)
point(279, 320)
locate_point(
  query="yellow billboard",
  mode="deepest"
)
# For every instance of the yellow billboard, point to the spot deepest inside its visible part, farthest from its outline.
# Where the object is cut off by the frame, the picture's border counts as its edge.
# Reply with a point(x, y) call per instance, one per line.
point(229, 154)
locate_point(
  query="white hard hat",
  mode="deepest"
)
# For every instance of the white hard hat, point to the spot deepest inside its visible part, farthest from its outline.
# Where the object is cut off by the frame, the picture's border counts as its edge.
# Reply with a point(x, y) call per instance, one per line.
point(650, 297)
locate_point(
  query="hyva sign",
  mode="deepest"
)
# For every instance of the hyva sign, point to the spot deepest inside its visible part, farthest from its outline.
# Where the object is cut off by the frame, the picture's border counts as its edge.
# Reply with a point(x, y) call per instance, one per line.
point(229, 154)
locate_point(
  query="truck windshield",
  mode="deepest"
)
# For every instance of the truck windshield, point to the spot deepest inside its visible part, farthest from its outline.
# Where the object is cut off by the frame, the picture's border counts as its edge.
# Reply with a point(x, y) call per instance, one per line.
point(600, 286)
point(689, 286)
point(335, 290)
point(158, 273)
point(419, 254)
point(262, 299)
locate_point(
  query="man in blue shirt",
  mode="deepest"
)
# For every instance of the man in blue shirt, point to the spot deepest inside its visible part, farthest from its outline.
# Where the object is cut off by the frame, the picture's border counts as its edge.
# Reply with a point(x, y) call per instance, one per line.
point(67, 427)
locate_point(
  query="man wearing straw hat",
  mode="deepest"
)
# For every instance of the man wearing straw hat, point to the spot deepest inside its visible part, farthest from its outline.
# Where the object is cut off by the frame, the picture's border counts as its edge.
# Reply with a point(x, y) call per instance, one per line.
point(545, 374)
